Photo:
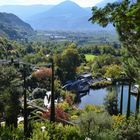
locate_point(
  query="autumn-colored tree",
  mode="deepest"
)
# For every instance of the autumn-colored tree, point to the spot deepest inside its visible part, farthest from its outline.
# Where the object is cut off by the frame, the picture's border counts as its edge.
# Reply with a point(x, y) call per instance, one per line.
point(42, 77)
point(60, 114)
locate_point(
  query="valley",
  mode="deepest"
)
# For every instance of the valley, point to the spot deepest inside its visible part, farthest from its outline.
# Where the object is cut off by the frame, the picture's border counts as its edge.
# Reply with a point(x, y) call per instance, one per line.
point(69, 72)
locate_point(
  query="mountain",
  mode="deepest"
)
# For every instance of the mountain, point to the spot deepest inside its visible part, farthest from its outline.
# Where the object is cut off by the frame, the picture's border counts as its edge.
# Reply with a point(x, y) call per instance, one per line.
point(25, 11)
point(13, 27)
point(64, 16)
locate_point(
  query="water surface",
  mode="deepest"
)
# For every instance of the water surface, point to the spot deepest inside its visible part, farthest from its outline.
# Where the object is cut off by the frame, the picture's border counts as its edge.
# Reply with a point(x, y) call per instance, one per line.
point(96, 97)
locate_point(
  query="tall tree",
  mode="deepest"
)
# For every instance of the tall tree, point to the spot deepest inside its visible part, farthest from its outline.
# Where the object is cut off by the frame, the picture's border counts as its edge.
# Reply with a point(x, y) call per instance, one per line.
point(9, 94)
point(67, 63)
point(126, 19)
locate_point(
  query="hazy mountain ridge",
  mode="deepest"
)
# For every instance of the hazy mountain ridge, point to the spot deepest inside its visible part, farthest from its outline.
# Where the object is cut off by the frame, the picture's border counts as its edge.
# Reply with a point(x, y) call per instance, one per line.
point(13, 27)
point(25, 11)
point(64, 16)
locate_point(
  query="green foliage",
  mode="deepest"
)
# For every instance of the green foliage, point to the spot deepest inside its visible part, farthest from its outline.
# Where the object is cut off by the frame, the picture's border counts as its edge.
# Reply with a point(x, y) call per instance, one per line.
point(95, 124)
point(64, 105)
point(125, 17)
point(56, 132)
point(113, 71)
point(103, 61)
point(100, 49)
point(39, 93)
point(128, 129)
point(101, 84)
point(10, 92)
point(11, 133)
point(89, 57)
point(57, 88)
point(67, 63)
point(13, 27)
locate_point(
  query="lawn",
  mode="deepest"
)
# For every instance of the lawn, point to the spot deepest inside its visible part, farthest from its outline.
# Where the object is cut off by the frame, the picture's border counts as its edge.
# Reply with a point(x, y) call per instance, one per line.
point(89, 57)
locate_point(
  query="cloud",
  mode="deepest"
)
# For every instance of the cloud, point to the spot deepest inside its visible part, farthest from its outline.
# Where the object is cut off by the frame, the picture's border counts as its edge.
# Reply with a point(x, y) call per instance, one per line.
point(87, 3)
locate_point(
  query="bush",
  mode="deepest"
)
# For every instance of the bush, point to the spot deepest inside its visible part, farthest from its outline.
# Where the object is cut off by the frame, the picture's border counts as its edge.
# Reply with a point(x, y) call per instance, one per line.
point(93, 124)
point(101, 84)
point(128, 130)
point(60, 114)
point(55, 132)
point(7, 133)
point(39, 93)
point(64, 105)
point(94, 108)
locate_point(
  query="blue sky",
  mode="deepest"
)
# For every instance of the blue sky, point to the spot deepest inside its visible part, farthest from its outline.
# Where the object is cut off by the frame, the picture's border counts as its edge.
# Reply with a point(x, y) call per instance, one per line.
point(83, 3)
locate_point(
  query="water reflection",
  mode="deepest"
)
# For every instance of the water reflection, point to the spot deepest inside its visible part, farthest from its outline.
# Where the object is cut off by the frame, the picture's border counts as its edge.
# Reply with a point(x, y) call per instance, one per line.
point(96, 97)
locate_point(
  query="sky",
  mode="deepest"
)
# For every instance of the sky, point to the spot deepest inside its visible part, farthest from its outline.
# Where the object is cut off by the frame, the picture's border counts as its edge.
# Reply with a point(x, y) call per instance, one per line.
point(82, 3)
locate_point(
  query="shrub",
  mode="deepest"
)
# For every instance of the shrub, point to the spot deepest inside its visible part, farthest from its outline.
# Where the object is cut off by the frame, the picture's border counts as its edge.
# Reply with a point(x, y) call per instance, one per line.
point(93, 124)
point(94, 108)
point(7, 133)
point(60, 114)
point(101, 84)
point(128, 130)
point(55, 132)
point(38, 93)
point(65, 106)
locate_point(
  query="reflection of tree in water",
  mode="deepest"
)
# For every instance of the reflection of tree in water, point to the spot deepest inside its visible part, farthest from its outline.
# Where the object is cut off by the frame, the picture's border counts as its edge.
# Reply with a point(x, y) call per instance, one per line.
point(79, 96)
point(111, 100)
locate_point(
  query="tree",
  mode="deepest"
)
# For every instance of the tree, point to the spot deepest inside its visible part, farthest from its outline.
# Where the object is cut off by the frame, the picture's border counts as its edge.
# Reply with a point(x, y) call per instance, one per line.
point(95, 124)
point(125, 17)
point(113, 71)
point(9, 94)
point(41, 78)
point(67, 63)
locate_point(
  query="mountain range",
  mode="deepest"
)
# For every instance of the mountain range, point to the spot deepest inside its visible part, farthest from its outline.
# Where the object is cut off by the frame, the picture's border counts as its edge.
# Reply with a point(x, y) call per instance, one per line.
point(25, 11)
point(64, 16)
point(13, 27)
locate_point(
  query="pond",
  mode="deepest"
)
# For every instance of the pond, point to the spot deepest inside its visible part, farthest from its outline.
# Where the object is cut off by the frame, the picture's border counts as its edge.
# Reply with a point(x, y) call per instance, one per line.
point(96, 97)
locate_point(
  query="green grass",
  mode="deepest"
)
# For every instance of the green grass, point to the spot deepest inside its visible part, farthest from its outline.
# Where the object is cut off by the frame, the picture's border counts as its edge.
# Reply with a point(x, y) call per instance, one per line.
point(89, 57)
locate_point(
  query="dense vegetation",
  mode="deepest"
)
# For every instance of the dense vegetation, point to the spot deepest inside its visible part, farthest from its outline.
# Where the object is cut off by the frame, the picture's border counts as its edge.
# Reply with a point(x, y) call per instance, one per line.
point(24, 69)
point(13, 27)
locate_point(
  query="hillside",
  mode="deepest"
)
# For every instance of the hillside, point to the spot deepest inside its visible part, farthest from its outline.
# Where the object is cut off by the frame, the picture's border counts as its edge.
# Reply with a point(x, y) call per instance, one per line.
point(13, 27)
